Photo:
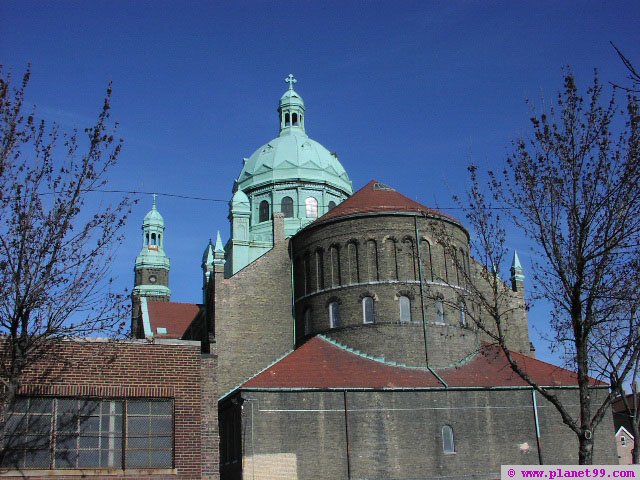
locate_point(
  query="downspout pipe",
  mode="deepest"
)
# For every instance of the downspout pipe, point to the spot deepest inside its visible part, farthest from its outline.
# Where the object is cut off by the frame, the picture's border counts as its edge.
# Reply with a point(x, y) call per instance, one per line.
point(537, 421)
point(422, 296)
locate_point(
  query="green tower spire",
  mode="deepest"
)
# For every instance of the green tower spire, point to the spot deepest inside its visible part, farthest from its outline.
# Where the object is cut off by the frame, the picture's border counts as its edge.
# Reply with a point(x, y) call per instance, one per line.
point(151, 268)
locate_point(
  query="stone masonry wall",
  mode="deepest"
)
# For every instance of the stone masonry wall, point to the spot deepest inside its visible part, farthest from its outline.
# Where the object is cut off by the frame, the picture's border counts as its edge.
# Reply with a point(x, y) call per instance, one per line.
point(254, 325)
point(398, 435)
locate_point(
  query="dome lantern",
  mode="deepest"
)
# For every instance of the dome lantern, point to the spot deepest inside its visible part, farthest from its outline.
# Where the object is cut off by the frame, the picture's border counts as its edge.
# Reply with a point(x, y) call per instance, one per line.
point(291, 110)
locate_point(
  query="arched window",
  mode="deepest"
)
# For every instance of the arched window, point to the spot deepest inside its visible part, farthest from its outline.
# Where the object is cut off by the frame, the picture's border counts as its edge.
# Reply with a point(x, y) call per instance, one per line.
point(319, 270)
point(405, 309)
point(307, 321)
point(448, 445)
point(439, 312)
point(334, 315)
point(294, 119)
point(264, 211)
point(286, 119)
point(312, 207)
point(332, 205)
point(153, 239)
point(286, 207)
point(367, 310)
point(463, 314)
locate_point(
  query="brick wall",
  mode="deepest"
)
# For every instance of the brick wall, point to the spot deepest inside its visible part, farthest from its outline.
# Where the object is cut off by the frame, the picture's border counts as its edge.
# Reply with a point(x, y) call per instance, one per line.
point(377, 256)
point(394, 434)
point(131, 369)
point(253, 321)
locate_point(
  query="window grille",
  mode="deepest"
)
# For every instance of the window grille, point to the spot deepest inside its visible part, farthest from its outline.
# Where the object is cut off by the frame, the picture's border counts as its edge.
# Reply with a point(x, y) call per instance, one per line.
point(74, 433)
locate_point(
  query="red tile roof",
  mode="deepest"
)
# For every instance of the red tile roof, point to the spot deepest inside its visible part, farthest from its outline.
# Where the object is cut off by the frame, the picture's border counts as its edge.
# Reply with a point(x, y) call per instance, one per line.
point(175, 317)
point(490, 368)
point(377, 197)
point(320, 363)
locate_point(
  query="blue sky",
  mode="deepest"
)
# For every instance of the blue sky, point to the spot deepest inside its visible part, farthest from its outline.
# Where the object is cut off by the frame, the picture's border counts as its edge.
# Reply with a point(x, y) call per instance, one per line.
point(405, 92)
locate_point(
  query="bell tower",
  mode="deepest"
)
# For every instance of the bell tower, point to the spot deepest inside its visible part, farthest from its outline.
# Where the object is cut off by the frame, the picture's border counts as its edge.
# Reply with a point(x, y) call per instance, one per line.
point(151, 269)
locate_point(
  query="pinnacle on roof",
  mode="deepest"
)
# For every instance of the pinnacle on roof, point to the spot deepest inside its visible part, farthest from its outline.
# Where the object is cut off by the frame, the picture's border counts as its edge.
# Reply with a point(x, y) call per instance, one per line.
point(516, 268)
point(219, 248)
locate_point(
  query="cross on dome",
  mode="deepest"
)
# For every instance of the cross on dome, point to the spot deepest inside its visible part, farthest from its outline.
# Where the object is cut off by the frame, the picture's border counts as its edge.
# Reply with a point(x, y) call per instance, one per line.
point(291, 80)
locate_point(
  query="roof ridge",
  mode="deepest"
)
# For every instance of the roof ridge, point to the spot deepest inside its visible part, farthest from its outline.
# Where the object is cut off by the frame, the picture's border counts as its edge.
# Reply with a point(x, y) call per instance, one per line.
point(373, 358)
point(282, 357)
point(174, 303)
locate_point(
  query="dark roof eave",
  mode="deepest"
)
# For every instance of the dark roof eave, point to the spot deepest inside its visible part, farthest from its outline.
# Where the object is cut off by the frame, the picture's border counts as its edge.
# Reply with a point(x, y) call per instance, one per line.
point(415, 213)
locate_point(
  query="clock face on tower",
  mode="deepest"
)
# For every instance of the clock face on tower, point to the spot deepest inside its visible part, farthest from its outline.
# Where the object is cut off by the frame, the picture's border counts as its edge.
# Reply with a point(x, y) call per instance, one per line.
point(153, 279)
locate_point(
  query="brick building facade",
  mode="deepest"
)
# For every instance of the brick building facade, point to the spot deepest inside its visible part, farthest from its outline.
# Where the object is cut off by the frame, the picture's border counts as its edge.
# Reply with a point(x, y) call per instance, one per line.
point(115, 409)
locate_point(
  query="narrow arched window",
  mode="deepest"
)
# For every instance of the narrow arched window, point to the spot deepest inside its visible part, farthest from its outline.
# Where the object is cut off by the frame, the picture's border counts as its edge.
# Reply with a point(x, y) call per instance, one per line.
point(307, 321)
point(448, 445)
point(463, 314)
point(405, 309)
point(311, 207)
point(264, 211)
point(439, 311)
point(286, 207)
point(332, 205)
point(286, 120)
point(294, 119)
point(334, 315)
point(153, 239)
point(367, 310)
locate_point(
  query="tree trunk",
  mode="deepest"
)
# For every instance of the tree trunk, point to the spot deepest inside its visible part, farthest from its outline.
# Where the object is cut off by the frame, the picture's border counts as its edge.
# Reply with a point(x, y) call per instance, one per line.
point(585, 451)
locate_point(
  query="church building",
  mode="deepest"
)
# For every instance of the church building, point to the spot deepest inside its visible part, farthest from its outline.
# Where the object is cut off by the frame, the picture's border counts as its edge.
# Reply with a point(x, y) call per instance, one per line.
point(342, 335)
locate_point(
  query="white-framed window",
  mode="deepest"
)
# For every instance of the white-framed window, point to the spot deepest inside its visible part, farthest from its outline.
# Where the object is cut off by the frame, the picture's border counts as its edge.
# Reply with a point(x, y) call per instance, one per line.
point(463, 314)
point(334, 315)
point(76, 433)
point(405, 309)
point(448, 445)
point(311, 205)
point(439, 312)
point(367, 310)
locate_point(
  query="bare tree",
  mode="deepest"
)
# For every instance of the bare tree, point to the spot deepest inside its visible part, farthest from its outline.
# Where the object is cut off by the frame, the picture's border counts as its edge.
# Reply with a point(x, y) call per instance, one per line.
point(572, 189)
point(56, 244)
point(633, 76)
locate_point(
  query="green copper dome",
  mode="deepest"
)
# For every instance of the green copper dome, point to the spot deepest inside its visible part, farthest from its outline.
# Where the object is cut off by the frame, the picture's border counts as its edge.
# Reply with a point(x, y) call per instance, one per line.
point(293, 156)
point(153, 217)
point(292, 176)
